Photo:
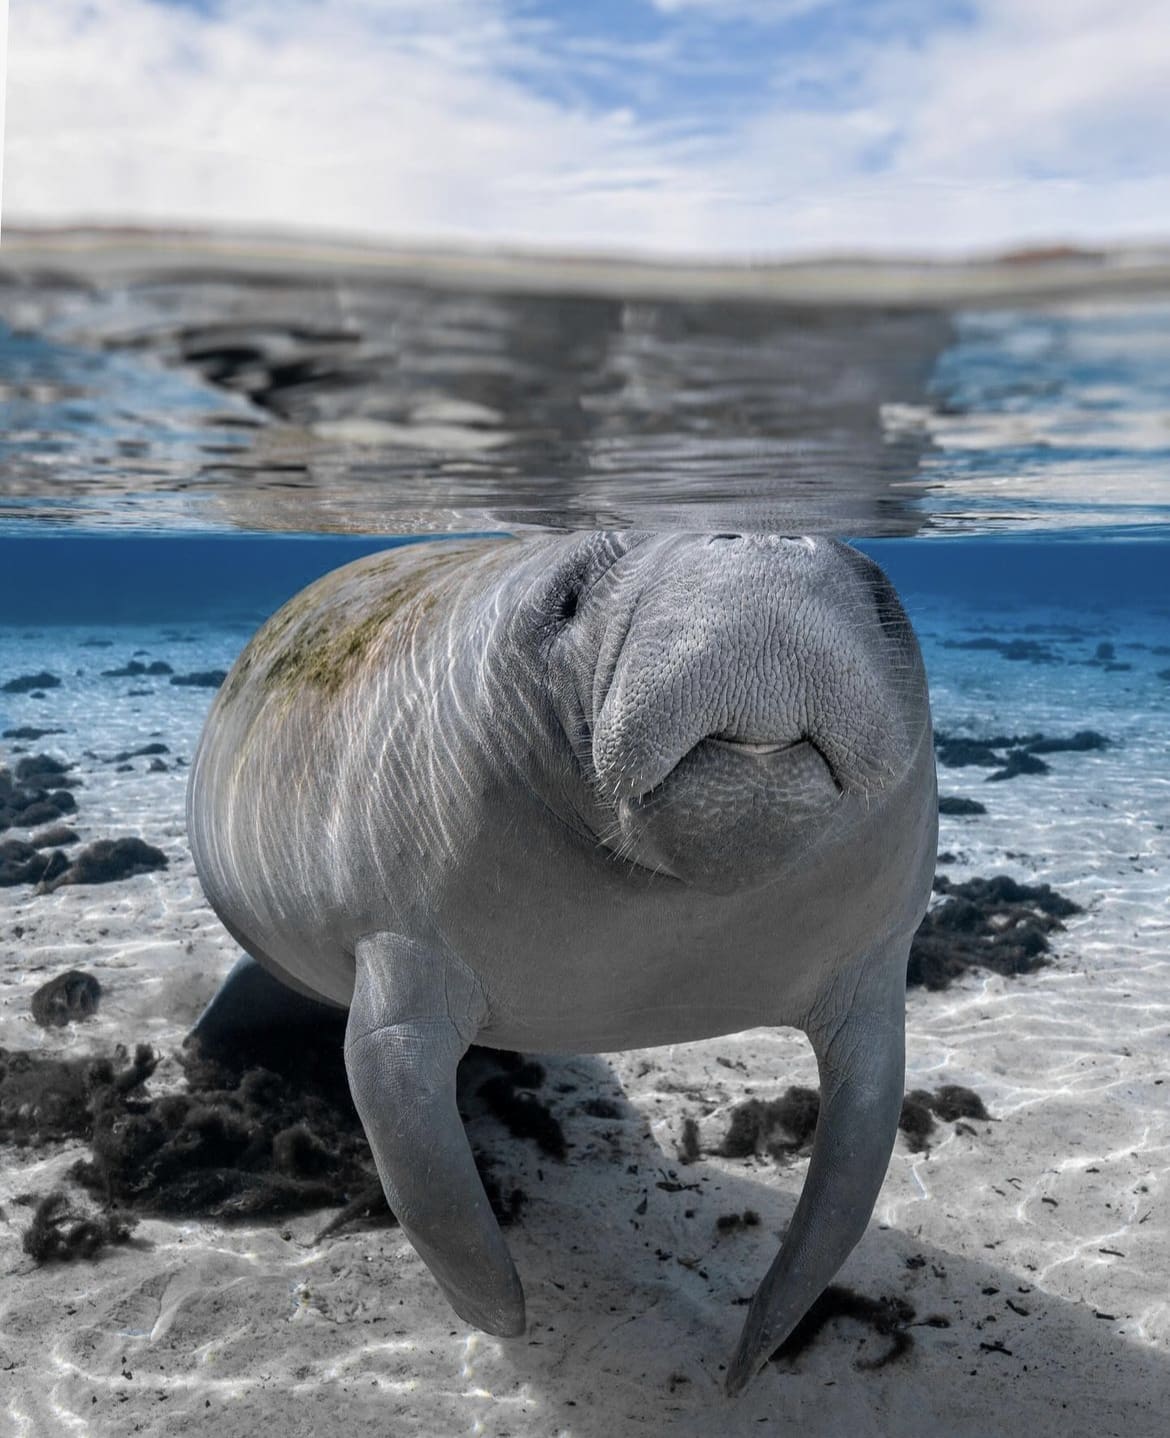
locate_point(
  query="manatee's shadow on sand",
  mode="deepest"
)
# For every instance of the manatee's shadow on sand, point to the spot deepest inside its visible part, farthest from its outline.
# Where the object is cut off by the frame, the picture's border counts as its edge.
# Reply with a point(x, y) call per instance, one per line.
point(635, 1289)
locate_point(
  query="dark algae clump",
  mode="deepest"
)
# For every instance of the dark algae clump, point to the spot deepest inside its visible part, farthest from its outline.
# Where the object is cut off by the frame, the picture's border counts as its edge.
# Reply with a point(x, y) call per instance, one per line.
point(890, 1317)
point(66, 998)
point(916, 1120)
point(688, 1147)
point(950, 1103)
point(1027, 651)
point(27, 683)
point(260, 1129)
point(22, 863)
point(510, 1098)
point(953, 805)
point(107, 860)
point(994, 923)
point(239, 1143)
point(135, 669)
point(1019, 761)
point(38, 792)
point(1009, 754)
point(779, 1127)
point(59, 1232)
point(953, 1102)
point(785, 1126)
point(200, 679)
point(733, 1222)
point(45, 1099)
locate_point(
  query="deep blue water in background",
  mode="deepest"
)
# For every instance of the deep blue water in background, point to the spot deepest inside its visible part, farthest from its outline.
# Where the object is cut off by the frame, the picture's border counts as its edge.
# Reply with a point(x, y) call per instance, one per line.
point(103, 578)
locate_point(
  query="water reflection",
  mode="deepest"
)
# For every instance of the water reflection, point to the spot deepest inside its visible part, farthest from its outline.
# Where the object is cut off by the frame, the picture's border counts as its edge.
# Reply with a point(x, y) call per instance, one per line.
point(373, 405)
point(386, 407)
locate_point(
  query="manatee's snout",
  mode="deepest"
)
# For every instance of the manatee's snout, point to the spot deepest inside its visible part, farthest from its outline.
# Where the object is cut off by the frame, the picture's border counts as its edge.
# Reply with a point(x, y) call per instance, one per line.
point(747, 688)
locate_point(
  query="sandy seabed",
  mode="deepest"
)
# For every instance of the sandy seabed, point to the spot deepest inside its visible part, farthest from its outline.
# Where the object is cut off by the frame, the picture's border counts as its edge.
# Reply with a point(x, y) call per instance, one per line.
point(1042, 1237)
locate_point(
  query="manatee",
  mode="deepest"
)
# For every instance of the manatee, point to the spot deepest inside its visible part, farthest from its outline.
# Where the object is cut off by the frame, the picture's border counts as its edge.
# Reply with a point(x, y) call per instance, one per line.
point(580, 793)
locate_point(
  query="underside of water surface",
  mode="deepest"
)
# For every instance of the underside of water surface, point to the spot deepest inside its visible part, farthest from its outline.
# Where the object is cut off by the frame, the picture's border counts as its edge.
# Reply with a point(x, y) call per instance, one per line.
point(196, 395)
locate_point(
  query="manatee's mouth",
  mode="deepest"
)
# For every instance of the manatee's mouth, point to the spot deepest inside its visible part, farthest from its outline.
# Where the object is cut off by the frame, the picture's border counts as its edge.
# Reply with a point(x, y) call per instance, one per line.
point(767, 763)
point(731, 813)
point(742, 746)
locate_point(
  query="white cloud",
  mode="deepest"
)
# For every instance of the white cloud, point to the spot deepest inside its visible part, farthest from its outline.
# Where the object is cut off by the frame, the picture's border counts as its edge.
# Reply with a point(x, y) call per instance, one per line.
point(408, 119)
point(757, 10)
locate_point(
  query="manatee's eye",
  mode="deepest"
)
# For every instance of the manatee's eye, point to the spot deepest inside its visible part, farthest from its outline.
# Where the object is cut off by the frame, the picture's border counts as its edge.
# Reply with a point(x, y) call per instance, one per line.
point(559, 597)
point(567, 603)
point(576, 574)
point(570, 584)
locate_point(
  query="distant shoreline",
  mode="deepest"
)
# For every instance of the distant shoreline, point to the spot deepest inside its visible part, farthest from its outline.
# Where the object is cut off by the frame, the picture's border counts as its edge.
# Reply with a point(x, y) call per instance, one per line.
point(1034, 275)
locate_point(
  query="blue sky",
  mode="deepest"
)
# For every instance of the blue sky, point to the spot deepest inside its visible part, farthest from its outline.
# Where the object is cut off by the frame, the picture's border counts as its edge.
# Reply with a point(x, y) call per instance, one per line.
point(705, 127)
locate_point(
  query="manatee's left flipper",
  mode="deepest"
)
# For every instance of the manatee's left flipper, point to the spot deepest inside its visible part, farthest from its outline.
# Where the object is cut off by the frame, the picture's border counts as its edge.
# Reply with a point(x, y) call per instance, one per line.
point(252, 1002)
point(857, 1029)
point(413, 1016)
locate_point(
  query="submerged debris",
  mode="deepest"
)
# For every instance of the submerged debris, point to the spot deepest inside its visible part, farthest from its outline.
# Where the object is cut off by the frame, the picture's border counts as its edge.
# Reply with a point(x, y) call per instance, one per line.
point(994, 923)
point(688, 1146)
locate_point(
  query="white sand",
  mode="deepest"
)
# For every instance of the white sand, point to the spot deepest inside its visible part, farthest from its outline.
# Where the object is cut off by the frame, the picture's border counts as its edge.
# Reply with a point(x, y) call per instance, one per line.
point(1058, 1207)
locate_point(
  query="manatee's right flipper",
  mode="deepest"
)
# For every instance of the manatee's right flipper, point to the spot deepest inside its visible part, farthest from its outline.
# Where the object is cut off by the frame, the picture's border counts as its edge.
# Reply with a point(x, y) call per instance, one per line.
point(413, 1016)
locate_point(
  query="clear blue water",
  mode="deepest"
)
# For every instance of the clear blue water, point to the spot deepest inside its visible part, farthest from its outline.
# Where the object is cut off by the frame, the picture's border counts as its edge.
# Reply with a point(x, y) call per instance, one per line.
point(178, 457)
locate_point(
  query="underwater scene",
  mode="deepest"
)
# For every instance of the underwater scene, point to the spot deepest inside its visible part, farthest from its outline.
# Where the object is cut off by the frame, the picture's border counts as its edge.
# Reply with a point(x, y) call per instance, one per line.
point(195, 1239)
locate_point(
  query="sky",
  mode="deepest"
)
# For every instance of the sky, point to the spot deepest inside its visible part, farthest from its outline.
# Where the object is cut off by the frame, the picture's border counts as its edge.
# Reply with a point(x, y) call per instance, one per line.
point(709, 128)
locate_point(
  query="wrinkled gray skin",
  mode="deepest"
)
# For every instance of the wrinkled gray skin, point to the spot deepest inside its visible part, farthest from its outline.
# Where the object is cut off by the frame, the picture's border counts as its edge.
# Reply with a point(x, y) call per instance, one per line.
point(578, 794)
